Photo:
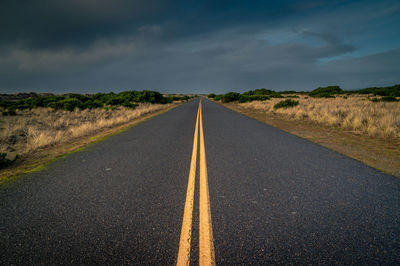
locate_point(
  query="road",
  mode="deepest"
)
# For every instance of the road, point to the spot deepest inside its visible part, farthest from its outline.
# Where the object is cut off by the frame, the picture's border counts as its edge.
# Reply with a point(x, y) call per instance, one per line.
point(271, 197)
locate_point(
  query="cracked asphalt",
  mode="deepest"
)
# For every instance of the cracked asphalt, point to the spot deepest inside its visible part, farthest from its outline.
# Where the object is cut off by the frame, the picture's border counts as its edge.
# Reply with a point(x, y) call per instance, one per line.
point(275, 199)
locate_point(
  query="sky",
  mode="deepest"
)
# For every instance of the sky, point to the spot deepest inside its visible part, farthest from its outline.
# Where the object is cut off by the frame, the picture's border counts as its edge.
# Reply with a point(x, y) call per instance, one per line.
point(197, 46)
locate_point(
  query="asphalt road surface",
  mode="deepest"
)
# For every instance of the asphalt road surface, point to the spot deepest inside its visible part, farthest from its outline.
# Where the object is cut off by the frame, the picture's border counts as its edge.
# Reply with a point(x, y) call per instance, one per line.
point(274, 198)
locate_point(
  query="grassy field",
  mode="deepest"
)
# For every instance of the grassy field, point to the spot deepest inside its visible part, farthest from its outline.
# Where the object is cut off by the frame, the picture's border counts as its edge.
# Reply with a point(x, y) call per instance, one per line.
point(38, 128)
point(42, 135)
point(355, 113)
point(32, 121)
point(30, 130)
point(363, 124)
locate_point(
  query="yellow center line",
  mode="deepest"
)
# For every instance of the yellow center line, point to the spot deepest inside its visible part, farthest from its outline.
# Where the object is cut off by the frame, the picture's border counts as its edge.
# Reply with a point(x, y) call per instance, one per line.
point(206, 241)
point(186, 231)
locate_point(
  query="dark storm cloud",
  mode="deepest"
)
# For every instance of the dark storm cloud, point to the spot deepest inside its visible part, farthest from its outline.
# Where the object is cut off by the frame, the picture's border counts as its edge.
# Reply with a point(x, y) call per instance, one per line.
point(49, 24)
point(196, 46)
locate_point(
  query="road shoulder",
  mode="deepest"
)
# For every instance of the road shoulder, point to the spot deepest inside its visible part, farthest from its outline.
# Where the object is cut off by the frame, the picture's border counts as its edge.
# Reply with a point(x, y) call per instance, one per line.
point(42, 157)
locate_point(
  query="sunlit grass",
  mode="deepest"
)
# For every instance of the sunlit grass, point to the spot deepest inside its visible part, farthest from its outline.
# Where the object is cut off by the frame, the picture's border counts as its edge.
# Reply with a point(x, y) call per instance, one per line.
point(355, 113)
point(42, 127)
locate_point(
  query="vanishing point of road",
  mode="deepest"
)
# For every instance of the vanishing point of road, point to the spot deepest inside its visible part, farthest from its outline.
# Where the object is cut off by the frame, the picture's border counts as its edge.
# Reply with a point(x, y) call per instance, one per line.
point(201, 184)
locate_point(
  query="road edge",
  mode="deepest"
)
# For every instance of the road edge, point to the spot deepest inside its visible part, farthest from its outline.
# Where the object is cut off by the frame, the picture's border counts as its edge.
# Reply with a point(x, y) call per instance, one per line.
point(364, 156)
point(48, 155)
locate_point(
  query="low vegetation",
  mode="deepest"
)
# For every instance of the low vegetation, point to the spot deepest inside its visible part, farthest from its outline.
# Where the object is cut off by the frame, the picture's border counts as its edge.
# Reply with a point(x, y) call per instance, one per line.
point(371, 111)
point(388, 94)
point(70, 102)
point(326, 92)
point(41, 127)
point(29, 122)
point(393, 91)
point(355, 113)
point(248, 96)
point(286, 103)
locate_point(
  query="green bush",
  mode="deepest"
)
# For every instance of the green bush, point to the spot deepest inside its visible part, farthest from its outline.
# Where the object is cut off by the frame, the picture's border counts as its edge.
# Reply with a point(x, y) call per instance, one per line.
point(70, 104)
point(218, 97)
point(92, 104)
point(393, 91)
point(263, 91)
point(170, 99)
point(9, 112)
point(55, 105)
point(71, 101)
point(389, 99)
point(185, 98)
point(115, 101)
point(375, 100)
point(384, 99)
point(326, 92)
point(230, 97)
point(286, 103)
point(250, 98)
point(211, 95)
point(80, 97)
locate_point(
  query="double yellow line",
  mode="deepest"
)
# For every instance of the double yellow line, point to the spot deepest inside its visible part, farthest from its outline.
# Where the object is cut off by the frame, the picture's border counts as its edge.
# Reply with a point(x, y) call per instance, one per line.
point(206, 242)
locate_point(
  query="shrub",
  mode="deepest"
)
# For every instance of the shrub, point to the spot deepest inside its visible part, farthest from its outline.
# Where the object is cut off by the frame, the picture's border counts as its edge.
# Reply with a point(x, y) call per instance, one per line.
point(263, 91)
point(114, 101)
point(185, 98)
point(151, 96)
point(384, 99)
point(71, 101)
point(165, 100)
point(70, 104)
point(286, 103)
point(52, 101)
point(230, 97)
point(326, 92)
point(389, 99)
point(218, 97)
point(393, 91)
point(10, 112)
point(250, 98)
point(211, 95)
point(375, 100)
point(55, 105)
point(79, 97)
point(92, 104)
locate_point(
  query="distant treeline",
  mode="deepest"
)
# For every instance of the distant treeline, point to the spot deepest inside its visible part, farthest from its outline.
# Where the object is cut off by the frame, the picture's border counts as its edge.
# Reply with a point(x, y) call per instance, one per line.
point(387, 93)
point(70, 102)
point(248, 96)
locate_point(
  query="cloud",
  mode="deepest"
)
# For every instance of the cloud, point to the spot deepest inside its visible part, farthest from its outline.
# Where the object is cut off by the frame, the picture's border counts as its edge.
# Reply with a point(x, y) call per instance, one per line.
point(56, 24)
point(366, 71)
point(189, 46)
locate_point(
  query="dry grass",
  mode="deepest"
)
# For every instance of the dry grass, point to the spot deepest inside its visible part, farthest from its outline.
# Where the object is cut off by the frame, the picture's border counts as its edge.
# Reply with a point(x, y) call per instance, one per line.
point(356, 114)
point(43, 127)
